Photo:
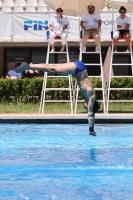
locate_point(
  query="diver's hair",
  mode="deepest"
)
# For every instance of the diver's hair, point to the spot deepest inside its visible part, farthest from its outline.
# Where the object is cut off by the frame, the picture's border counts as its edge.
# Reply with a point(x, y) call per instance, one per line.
point(122, 8)
point(96, 106)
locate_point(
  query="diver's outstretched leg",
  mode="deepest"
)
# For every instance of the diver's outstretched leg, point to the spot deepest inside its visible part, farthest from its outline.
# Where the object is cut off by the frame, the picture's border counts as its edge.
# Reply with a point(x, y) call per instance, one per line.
point(24, 66)
point(62, 69)
point(41, 67)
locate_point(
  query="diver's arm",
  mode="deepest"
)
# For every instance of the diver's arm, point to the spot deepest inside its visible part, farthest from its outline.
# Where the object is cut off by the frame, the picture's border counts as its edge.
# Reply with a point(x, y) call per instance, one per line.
point(91, 115)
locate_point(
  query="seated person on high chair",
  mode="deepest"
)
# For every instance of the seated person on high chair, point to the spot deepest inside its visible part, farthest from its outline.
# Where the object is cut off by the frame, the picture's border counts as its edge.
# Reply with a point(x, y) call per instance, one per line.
point(123, 24)
point(91, 24)
point(57, 25)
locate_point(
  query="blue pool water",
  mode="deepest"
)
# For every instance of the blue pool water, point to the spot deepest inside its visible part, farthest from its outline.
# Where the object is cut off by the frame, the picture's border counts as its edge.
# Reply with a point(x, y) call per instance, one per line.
point(61, 162)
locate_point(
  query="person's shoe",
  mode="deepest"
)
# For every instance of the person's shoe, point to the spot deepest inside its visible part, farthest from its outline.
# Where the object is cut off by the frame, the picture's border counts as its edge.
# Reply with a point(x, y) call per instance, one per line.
point(52, 50)
point(62, 50)
point(84, 49)
point(127, 51)
point(97, 49)
point(24, 66)
point(92, 133)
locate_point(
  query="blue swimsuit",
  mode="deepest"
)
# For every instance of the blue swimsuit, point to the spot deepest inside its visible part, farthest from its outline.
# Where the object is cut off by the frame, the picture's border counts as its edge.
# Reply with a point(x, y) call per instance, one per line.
point(80, 66)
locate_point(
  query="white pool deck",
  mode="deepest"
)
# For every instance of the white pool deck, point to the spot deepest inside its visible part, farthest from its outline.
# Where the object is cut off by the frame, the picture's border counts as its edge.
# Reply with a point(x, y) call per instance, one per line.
point(66, 118)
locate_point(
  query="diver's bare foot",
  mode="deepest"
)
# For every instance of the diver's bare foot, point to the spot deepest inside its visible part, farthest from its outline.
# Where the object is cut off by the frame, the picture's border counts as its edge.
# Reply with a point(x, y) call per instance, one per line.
point(24, 66)
point(92, 133)
point(30, 64)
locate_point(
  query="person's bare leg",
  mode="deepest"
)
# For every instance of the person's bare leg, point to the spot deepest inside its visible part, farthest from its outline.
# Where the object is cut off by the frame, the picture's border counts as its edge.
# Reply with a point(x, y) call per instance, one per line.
point(64, 69)
point(52, 47)
point(63, 47)
point(96, 36)
point(115, 41)
point(85, 37)
point(127, 38)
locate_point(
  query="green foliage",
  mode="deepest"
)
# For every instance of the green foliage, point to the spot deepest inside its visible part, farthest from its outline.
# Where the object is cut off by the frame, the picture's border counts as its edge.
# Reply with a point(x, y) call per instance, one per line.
point(31, 89)
point(121, 94)
point(28, 90)
point(23, 90)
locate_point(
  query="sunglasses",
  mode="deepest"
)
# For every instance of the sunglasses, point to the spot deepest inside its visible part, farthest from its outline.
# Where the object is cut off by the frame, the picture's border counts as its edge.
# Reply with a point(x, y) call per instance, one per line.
point(90, 8)
point(59, 10)
point(122, 12)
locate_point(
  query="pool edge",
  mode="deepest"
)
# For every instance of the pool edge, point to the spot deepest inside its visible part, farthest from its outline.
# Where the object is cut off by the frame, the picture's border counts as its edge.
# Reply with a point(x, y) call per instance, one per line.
point(65, 118)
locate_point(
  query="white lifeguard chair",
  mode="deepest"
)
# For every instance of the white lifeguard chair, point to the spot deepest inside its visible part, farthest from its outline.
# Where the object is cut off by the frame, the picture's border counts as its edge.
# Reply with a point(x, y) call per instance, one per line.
point(89, 53)
point(115, 4)
point(101, 76)
point(46, 76)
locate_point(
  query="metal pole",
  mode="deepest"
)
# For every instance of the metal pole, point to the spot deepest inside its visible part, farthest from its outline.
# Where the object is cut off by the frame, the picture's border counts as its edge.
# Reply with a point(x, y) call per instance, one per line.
point(80, 31)
point(113, 17)
point(43, 94)
point(68, 60)
point(49, 11)
point(110, 70)
point(80, 56)
point(131, 18)
point(67, 14)
point(131, 36)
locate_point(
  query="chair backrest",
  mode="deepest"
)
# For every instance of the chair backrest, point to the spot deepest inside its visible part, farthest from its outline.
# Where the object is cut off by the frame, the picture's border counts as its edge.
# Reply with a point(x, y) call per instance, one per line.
point(41, 3)
point(91, 38)
point(42, 9)
point(9, 3)
point(32, 3)
point(18, 9)
point(0, 4)
point(30, 9)
point(121, 38)
point(20, 3)
point(57, 37)
point(7, 9)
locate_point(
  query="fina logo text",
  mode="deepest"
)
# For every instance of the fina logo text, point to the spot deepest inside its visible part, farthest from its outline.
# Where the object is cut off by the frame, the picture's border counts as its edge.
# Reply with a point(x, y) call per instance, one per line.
point(35, 25)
